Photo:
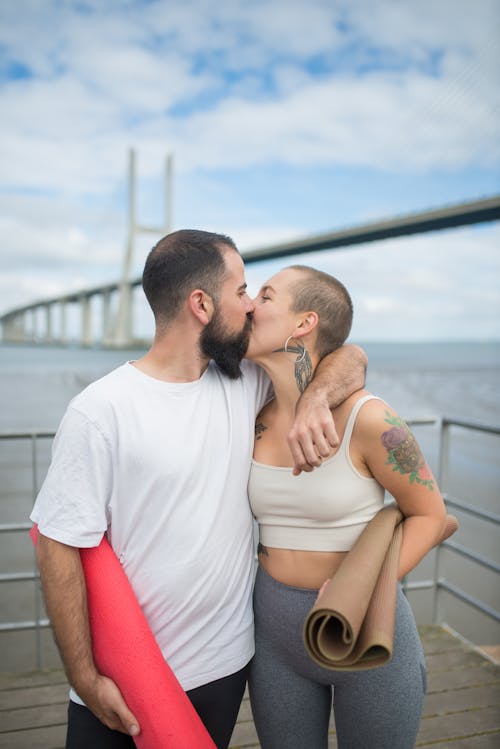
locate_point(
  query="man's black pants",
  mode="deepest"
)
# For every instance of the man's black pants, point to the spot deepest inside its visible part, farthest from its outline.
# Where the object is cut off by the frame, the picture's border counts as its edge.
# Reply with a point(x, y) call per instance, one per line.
point(217, 704)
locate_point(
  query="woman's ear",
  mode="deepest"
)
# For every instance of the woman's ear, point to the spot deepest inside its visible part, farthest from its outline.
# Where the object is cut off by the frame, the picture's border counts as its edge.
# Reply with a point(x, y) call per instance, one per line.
point(306, 324)
point(201, 305)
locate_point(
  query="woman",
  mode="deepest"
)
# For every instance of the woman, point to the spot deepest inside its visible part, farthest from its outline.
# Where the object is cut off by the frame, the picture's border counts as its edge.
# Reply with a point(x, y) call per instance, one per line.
point(308, 523)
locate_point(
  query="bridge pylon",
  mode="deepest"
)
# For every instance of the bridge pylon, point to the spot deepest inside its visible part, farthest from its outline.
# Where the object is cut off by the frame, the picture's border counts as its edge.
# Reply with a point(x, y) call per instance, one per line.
point(120, 328)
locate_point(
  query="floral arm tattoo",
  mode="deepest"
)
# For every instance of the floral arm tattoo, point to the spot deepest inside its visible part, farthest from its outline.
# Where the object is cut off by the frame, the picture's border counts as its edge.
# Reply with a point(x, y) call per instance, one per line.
point(303, 364)
point(404, 453)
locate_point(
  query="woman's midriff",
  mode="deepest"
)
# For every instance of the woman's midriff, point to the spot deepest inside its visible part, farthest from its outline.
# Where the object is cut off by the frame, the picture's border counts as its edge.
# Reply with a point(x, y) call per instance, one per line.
point(301, 569)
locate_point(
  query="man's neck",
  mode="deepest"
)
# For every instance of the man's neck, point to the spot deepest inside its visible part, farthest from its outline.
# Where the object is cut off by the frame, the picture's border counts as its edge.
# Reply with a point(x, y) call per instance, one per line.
point(174, 357)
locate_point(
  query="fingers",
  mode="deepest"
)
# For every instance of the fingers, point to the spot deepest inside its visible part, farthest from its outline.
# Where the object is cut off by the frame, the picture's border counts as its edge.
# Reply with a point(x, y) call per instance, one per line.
point(300, 462)
point(120, 723)
point(322, 590)
point(127, 721)
point(112, 710)
point(331, 436)
point(309, 445)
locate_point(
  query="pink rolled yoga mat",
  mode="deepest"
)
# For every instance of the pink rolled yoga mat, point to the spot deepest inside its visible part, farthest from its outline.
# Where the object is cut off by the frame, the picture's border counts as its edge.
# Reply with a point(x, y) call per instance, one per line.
point(126, 651)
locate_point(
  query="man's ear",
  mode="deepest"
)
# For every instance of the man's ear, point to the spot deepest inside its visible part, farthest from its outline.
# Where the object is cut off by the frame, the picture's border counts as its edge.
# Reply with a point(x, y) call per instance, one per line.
point(306, 323)
point(201, 305)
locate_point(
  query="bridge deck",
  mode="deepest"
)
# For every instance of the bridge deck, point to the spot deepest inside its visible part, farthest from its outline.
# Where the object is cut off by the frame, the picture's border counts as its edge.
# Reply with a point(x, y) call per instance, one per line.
point(462, 707)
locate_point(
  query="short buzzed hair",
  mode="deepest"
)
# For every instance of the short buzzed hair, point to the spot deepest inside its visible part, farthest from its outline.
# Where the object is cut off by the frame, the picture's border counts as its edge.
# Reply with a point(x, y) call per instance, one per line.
point(322, 293)
point(182, 261)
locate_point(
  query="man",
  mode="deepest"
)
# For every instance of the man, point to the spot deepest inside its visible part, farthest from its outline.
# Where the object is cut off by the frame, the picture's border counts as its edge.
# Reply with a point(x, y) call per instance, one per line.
point(156, 454)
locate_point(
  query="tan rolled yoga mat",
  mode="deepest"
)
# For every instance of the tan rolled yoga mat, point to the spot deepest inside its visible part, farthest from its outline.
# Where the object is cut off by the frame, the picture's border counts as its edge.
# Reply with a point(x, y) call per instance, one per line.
point(352, 627)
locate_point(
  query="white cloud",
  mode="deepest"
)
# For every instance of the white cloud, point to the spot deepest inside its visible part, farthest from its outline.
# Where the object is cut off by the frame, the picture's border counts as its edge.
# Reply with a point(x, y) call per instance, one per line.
point(109, 78)
point(49, 235)
point(379, 304)
point(393, 122)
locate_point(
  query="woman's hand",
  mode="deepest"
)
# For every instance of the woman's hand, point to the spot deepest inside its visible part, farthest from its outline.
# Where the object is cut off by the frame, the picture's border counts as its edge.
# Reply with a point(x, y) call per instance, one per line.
point(321, 591)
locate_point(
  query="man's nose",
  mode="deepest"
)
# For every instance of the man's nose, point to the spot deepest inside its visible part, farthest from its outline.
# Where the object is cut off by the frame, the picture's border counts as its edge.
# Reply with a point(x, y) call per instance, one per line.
point(250, 306)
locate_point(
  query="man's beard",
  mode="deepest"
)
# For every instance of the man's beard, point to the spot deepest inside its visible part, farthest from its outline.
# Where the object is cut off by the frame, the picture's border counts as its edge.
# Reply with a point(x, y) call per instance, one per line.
point(227, 350)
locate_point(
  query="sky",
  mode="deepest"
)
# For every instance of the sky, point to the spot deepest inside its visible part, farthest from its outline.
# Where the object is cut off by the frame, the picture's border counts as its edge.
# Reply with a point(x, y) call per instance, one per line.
point(284, 119)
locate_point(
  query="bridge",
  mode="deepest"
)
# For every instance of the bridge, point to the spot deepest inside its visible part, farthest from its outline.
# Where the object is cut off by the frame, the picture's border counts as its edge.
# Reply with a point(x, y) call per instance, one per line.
point(22, 324)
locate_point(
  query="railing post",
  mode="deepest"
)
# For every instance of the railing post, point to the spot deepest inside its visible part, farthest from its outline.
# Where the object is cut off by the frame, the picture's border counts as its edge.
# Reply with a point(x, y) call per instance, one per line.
point(444, 458)
point(38, 633)
point(444, 455)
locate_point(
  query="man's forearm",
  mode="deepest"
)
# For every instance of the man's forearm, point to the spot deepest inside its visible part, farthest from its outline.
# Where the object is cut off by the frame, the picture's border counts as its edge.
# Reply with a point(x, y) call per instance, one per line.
point(65, 596)
point(339, 375)
point(65, 592)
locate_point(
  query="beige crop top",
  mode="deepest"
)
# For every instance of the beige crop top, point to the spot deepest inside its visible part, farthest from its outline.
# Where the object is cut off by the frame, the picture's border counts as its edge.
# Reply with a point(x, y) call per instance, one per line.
point(325, 510)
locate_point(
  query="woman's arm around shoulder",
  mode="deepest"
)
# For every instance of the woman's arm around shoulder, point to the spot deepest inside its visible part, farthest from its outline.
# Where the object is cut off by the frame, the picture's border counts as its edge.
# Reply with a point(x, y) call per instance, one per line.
point(384, 443)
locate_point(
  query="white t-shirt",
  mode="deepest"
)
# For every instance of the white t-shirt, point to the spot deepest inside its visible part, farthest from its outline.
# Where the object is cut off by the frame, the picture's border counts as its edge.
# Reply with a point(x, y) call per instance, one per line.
point(163, 468)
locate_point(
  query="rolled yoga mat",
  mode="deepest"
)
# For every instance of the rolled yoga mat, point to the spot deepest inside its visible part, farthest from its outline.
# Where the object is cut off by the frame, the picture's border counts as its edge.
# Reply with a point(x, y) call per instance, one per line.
point(126, 651)
point(351, 627)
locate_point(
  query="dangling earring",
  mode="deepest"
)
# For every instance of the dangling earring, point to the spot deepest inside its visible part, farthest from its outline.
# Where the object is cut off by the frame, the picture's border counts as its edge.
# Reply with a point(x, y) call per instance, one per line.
point(295, 350)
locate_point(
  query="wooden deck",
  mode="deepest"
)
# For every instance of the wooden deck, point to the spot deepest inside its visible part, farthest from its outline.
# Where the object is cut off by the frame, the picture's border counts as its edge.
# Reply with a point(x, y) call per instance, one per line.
point(462, 707)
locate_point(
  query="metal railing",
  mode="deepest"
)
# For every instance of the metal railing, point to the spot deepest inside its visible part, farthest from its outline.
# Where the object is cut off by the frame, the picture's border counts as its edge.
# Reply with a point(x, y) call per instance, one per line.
point(38, 623)
point(438, 584)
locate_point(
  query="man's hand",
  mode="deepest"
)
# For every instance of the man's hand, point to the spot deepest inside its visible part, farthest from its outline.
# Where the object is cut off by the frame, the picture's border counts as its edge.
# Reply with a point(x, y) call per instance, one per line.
point(105, 700)
point(313, 434)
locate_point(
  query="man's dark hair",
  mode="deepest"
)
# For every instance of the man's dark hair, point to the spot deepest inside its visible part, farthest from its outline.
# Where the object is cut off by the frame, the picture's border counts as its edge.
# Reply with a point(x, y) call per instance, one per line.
point(180, 262)
point(326, 295)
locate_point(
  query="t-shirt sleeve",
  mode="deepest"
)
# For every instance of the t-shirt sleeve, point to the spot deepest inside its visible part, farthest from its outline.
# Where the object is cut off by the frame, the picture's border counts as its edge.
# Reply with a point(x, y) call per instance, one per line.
point(72, 505)
point(258, 383)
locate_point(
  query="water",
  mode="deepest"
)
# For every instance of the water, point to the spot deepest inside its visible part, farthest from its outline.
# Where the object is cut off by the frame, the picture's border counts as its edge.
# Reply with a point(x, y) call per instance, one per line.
point(457, 380)
point(418, 379)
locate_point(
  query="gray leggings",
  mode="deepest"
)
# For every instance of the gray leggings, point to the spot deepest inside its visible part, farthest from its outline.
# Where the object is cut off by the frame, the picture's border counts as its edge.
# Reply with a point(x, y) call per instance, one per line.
point(291, 696)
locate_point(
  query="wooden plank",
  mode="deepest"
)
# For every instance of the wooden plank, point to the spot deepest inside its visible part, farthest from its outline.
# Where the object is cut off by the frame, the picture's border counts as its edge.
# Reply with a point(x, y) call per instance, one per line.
point(459, 725)
point(50, 737)
point(481, 741)
point(436, 640)
point(33, 696)
point(454, 700)
point(34, 717)
point(441, 681)
point(244, 735)
point(463, 658)
point(32, 679)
